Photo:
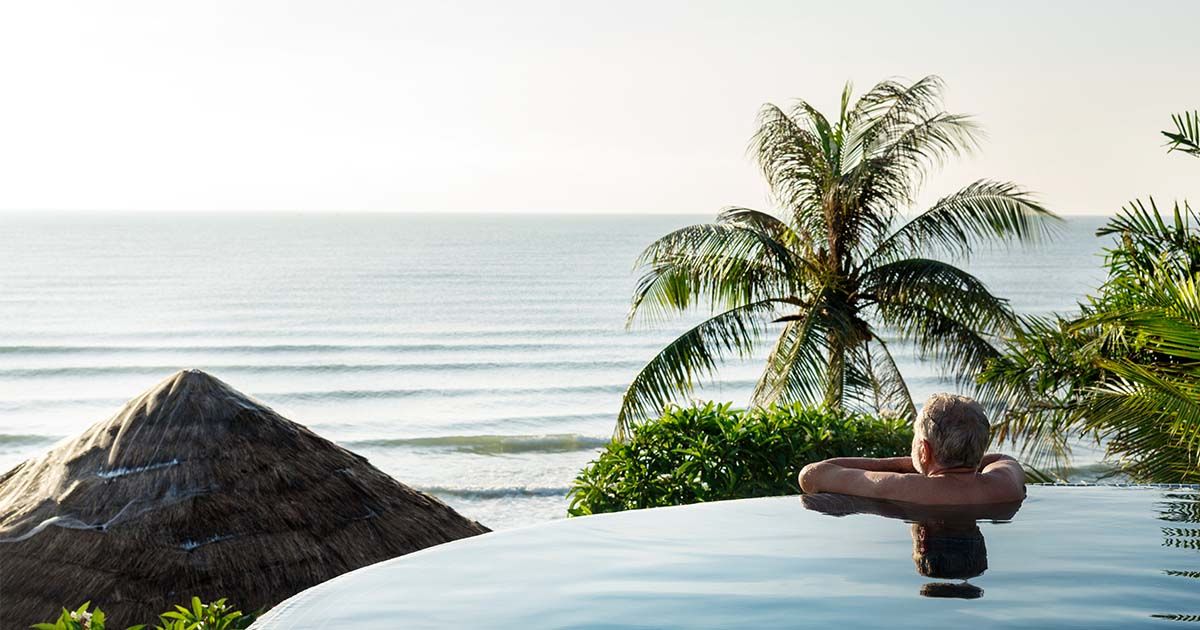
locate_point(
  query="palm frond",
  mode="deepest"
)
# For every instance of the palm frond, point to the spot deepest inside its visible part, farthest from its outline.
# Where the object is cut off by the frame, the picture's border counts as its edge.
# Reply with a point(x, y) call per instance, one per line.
point(962, 350)
point(891, 105)
point(889, 392)
point(942, 287)
point(1151, 420)
point(793, 161)
point(763, 223)
point(983, 212)
point(1031, 387)
point(894, 139)
point(1149, 244)
point(893, 170)
point(796, 366)
point(1186, 136)
point(727, 264)
point(694, 355)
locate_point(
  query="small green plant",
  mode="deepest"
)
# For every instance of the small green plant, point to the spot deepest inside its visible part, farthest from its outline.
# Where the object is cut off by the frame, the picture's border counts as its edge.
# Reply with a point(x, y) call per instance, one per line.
point(712, 453)
point(217, 615)
point(79, 619)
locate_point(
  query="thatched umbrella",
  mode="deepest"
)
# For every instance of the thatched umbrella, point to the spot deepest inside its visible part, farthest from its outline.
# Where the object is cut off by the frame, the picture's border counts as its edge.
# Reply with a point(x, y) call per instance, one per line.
point(195, 489)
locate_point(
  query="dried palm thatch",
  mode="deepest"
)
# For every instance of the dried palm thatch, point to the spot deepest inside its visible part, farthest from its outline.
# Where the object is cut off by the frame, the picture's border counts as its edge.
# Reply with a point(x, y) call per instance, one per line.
point(195, 489)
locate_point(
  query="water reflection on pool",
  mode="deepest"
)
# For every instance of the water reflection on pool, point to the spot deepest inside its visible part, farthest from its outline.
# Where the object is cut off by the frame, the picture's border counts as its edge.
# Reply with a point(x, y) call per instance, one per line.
point(1079, 557)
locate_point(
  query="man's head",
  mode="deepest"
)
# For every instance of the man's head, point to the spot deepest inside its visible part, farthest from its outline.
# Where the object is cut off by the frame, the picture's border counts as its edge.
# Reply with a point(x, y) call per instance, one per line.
point(952, 431)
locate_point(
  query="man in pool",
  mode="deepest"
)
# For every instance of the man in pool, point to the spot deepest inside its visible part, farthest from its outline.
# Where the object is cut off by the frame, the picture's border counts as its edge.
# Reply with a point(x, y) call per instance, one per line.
point(947, 465)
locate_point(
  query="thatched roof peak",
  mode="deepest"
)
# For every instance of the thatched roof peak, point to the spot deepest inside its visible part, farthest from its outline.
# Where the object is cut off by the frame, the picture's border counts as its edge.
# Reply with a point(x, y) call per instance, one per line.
point(192, 382)
point(194, 488)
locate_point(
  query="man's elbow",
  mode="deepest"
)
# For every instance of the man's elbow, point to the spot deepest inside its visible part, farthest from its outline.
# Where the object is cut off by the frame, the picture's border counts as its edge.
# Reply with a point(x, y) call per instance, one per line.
point(810, 477)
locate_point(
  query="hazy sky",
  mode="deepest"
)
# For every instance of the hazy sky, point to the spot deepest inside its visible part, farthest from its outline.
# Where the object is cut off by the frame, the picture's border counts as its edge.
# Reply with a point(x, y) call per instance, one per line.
point(559, 106)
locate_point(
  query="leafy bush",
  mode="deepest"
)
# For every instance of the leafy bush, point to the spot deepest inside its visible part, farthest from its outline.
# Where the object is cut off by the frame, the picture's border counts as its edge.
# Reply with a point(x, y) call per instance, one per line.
point(713, 452)
point(200, 616)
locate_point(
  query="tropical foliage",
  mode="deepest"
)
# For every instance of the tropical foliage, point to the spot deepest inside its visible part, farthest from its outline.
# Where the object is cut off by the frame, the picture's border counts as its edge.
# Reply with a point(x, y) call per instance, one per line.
point(216, 615)
point(713, 452)
point(1125, 370)
point(1186, 136)
point(837, 266)
point(79, 619)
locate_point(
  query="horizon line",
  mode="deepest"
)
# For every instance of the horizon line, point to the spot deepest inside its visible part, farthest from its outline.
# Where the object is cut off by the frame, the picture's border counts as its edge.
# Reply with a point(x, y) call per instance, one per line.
point(505, 212)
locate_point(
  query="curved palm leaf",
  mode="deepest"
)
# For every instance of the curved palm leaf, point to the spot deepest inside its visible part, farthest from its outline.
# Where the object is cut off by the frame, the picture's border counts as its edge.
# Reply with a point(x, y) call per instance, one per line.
point(941, 287)
point(1151, 245)
point(729, 264)
point(885, 388)
point(796, 364)
point(1151, 421)
point(964, 350)
point(793, 161)
point(764, 223)
point(983, 211)
point(1186, 136)
point(694, 355)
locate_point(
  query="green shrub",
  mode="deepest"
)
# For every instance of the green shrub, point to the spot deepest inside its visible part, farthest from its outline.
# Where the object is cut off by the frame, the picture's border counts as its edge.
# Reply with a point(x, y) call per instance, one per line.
point(713, 452)
point(215, 616)
point(199, 616)
point(79, 619)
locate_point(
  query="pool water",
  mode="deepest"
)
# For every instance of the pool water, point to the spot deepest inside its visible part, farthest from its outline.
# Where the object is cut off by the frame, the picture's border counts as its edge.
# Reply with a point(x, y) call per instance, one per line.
point(1067, 557)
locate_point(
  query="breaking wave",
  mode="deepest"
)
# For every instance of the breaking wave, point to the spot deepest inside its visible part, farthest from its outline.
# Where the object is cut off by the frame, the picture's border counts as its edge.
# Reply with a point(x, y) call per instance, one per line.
point(492, 444)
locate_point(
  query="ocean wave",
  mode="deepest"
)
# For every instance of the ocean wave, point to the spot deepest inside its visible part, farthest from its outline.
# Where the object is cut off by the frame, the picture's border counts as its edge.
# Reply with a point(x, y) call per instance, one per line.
point(26, 440)
point(511, 492)
point(308, 396)
point(25, 404)
point(356, 394)
point(352, 394)
point(491, 444)
point(43, 349)
point(373, 333)
point(323, 368)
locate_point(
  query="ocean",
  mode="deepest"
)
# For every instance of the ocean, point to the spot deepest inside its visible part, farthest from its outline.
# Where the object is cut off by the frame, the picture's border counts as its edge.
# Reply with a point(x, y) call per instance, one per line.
point(481, 358)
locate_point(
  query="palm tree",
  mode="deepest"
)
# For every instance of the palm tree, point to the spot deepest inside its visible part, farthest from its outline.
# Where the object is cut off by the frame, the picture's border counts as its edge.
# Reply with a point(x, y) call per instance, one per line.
point(1091, 375)
point(1125, 370)
point(837, 264)
point(1147, 410)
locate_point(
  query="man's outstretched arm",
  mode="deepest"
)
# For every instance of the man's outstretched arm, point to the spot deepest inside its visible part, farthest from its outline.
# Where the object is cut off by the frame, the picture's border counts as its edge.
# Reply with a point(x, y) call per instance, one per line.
point(830, 476)
point(877, 464)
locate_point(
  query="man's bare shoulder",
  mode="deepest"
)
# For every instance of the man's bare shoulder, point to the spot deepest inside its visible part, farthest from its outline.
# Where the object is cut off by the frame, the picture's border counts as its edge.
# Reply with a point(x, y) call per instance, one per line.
point(999, 483)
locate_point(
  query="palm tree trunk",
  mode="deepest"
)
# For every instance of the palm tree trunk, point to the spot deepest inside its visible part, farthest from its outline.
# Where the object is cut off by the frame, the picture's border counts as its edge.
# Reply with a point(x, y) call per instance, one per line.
point(835, 383)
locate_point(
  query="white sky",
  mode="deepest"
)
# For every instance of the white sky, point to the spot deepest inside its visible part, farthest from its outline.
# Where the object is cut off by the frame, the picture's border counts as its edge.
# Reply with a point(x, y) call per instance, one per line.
point(558, 106)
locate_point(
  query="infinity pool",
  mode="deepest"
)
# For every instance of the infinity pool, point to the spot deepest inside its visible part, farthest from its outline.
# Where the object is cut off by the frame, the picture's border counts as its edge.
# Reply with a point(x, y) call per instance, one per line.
point(1068, 557)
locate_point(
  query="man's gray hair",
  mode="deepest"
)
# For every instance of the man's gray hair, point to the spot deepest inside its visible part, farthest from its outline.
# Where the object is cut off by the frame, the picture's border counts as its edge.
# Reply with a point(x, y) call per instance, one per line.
point(957, 428)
